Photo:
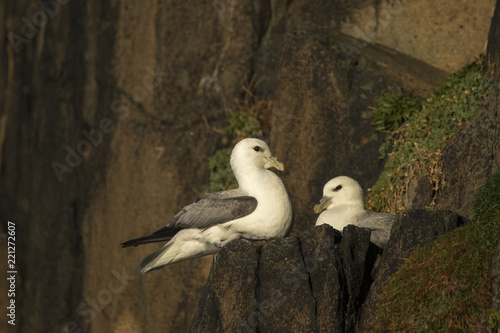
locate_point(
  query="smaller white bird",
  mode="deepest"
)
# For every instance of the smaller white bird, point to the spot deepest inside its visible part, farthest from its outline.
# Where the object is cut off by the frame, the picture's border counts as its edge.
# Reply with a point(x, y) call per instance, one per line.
point(343, 204)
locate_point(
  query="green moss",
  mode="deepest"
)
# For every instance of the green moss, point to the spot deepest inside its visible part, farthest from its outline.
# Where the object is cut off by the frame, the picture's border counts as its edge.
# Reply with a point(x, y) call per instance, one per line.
point(419, 129)
point(445, 286)
point(221, 175)
point(393, 110)
point(486, 202)
point(494, 320)
point(246, 122)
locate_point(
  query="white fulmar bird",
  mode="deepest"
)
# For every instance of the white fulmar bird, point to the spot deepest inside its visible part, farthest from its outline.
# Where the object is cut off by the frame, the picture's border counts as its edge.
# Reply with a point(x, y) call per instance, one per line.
point(258, 209)
point(343, 204)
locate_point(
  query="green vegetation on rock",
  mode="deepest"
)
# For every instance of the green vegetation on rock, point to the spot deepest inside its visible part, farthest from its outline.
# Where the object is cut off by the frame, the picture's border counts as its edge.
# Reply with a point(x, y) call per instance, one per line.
point(394, 109)
point(248, 121)
point(418, 129)
point(245, 122)
point(486, 202)
point(221, 175)
point(445, 286)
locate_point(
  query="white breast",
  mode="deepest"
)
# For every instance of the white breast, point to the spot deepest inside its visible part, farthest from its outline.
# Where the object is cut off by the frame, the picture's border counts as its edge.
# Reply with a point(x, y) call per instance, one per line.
point(273, 215)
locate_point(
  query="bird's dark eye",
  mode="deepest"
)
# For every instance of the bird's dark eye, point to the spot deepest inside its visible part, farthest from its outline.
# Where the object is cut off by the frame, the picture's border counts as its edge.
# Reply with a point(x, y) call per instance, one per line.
point(338, 188)
point(257, 148)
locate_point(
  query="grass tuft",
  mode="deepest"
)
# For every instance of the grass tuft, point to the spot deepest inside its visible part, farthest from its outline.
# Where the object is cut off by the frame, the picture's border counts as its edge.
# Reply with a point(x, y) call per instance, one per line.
point(445, 286)
point(248, 121)
point(244, 123)
point(418, 130)
point(221, 175)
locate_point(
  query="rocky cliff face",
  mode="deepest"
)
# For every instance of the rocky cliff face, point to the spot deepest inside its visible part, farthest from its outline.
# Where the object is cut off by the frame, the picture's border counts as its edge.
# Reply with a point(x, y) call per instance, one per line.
point(110, 111)
point(316, 282)
point(296, 284)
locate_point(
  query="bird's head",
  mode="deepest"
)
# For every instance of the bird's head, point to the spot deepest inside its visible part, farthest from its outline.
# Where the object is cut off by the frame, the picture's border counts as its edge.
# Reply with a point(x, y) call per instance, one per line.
point(252, 152)
point(339, 191)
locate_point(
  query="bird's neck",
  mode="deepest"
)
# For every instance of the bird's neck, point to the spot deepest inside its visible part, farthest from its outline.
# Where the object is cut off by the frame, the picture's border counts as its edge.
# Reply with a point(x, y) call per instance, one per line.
point(255, 180)
point(348, 208)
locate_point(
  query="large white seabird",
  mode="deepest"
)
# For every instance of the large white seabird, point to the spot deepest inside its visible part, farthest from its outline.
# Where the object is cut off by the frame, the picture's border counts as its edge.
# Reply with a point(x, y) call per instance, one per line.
point(343, 204)
point(258, 209)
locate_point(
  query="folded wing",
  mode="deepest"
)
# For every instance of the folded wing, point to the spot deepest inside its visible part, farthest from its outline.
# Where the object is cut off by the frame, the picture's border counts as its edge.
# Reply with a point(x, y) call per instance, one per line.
point(207, 211)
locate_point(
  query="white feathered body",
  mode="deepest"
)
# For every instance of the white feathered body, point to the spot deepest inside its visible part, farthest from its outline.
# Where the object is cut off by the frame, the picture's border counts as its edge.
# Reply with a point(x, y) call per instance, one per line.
point(346, 207)
point(379, 223)
point(260, 206)
point(272, 218)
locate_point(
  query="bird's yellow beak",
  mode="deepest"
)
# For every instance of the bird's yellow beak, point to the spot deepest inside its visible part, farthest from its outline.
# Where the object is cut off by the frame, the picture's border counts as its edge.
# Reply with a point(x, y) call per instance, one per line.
point(324, 203)
point(272, 162)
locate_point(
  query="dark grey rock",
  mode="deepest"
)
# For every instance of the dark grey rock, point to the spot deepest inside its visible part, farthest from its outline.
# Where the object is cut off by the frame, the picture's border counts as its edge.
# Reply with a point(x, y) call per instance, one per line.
point(470, 157)
point(493, 50)
point(228, 298)
point(411, 230)
point(495, 277)
point(320, 249)
point(284, 292)
point(313, 283)
point(358, 256)
point(319, 281)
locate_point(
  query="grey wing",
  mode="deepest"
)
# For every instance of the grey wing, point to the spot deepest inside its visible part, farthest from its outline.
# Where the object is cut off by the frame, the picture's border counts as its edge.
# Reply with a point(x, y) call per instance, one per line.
point(377, 220)
point(214, 208)
point(381, 225)
point(211, 209)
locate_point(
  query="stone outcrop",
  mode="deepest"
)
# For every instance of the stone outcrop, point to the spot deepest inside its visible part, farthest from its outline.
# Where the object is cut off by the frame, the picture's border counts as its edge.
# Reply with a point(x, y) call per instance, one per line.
point(469, 158)
point(426, 31)
point(493, 49)
point(310, 283)
point(473, 153)
point(412, 230)
point(314, 282)
point(321, 107)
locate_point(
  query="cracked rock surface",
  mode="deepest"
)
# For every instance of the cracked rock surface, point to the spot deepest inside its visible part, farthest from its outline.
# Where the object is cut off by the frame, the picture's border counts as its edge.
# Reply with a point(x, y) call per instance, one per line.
point(313, 282)
point(318, 281)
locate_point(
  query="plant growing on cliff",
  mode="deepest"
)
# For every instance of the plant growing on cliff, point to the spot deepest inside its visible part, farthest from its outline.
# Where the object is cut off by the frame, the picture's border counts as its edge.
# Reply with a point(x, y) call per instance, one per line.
point(394, 109)
point(445, 286)
point(248, 121)
point(221, 176)
point(418, 129)
point(244, 123)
